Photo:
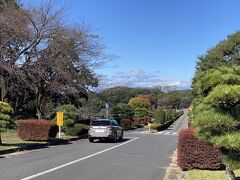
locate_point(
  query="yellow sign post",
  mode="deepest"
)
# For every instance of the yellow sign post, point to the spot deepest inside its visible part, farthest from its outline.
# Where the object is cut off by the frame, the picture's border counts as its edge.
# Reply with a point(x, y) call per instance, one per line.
point(59, 122)
point(149, 127)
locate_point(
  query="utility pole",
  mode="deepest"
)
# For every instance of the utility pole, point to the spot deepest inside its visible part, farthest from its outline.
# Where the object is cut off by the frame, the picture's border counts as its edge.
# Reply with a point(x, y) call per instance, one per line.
point(107, 109)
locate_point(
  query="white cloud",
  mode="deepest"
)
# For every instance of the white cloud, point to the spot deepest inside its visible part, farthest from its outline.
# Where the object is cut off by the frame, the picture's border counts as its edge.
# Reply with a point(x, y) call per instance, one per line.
point(140, 78)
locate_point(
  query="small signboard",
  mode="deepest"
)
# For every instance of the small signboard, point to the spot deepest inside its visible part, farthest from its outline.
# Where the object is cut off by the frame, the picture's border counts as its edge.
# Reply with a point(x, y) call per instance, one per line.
point(107, 105)
point(60, 118)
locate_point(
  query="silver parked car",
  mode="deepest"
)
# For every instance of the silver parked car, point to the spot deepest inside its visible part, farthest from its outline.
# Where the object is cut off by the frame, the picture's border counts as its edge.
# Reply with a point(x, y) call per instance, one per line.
point(105, 129)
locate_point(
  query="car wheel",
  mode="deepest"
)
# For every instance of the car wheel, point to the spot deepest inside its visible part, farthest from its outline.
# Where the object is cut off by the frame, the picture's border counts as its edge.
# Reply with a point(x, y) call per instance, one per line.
point(91, 140)
point(115, 137)
point(121, 137)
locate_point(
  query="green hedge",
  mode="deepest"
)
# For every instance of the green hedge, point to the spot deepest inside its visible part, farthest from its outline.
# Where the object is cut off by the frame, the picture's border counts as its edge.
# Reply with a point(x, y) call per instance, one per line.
point(77, 130)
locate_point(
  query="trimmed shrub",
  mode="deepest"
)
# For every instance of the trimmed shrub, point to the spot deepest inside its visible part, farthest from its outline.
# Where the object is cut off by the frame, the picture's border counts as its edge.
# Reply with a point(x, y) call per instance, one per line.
point(160, 116)
point(5, 120)
point(135, 122)
point(193, 153)
point(36, 130)
point(77, 130)
point(156, 126)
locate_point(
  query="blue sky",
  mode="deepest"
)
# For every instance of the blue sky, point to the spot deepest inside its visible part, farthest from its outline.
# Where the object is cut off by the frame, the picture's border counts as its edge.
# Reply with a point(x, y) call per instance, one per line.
point(157, 41)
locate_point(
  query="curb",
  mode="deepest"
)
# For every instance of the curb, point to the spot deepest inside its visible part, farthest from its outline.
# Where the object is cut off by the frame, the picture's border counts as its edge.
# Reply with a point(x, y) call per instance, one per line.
point(41, 146)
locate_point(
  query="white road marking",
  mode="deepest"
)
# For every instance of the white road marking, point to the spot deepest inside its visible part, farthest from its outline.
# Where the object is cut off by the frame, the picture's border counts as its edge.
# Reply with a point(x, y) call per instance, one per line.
point(78, 160)
point(164, 133)
point(144, 132)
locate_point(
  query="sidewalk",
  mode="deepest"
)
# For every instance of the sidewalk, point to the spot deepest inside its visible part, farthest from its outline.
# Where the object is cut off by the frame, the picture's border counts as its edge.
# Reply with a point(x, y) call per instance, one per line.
point(173, 171)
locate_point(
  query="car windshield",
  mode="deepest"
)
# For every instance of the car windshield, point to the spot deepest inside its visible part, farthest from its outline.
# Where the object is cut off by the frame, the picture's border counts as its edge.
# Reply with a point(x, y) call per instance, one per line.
point(100, 123)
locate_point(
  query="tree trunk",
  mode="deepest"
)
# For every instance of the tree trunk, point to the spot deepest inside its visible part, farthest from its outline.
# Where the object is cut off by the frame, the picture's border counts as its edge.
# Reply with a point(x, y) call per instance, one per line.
point(3, 88)
point(38, 113)
point(38, 102)
point(0, 139)
point(230, 174)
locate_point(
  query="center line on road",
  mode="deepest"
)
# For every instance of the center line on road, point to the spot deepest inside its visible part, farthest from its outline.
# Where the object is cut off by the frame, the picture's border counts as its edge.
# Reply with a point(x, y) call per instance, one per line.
point(78, 160)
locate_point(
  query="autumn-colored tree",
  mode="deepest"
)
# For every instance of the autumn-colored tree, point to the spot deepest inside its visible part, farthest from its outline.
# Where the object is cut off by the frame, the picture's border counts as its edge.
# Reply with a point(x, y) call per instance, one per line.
point(151, 97)
point(139, 103)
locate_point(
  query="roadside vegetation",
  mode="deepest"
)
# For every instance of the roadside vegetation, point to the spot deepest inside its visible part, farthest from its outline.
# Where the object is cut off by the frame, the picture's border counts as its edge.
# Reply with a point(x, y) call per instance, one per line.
point(209, 175)
point(215, 109)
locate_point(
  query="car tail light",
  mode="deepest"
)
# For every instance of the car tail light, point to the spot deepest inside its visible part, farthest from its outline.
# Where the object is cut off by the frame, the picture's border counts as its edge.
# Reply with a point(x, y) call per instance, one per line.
point(109, 127)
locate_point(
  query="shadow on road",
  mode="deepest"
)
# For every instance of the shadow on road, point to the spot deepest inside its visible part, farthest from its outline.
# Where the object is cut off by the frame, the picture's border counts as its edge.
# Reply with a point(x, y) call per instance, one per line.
point(31, 146)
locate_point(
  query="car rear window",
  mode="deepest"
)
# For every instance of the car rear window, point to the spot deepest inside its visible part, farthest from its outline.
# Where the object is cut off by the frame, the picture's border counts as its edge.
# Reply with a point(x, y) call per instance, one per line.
point(100, 123)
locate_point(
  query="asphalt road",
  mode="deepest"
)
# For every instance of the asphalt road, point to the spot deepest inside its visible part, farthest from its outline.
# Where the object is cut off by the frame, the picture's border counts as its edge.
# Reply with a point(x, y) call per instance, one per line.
point(141, 156)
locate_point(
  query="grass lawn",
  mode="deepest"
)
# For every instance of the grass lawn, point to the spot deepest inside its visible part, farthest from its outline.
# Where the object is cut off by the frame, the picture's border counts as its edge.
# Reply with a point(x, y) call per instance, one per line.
point(209, 175)
point(11, 140)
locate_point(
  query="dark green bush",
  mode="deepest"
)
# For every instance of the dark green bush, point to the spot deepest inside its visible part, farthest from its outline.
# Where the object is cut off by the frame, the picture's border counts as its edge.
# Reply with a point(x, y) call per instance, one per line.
point(77, 130)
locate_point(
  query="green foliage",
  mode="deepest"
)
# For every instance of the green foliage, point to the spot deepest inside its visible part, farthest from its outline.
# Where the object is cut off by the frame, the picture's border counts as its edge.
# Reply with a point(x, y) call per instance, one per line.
point(117, 112)
point(139, 103)
point(228, 140)
point(216, 110)
point(122, 111)
point(128, 112)
point(70, 111)
point(5, 112)
point(169, 115)
point(118, 95)
point(156, 126)
point(231, 159)
point(70, 116)
point(205, 81)
point(5, 108)
point(210, 124)
point(175, 99)
point(68, 123)
point(225, 53)
point(121, 95)
point(224, 96)
point(151, 97)
point(160, 116)
point(77, 130)
point(141, 112)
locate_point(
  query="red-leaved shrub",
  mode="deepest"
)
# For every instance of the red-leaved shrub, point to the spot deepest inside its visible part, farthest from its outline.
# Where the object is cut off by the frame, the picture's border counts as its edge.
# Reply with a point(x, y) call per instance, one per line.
point(138, 121)
point(36, 130)
point(193, 153)
point(126, 123)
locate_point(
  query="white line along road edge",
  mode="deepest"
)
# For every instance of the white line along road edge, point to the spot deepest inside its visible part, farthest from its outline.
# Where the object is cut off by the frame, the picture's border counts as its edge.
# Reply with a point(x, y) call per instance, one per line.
point(78, 160)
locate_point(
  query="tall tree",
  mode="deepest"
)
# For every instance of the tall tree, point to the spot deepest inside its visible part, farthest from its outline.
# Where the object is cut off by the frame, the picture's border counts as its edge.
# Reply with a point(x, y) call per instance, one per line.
point(43, 59)
point(216, 112)
point(225, 53)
